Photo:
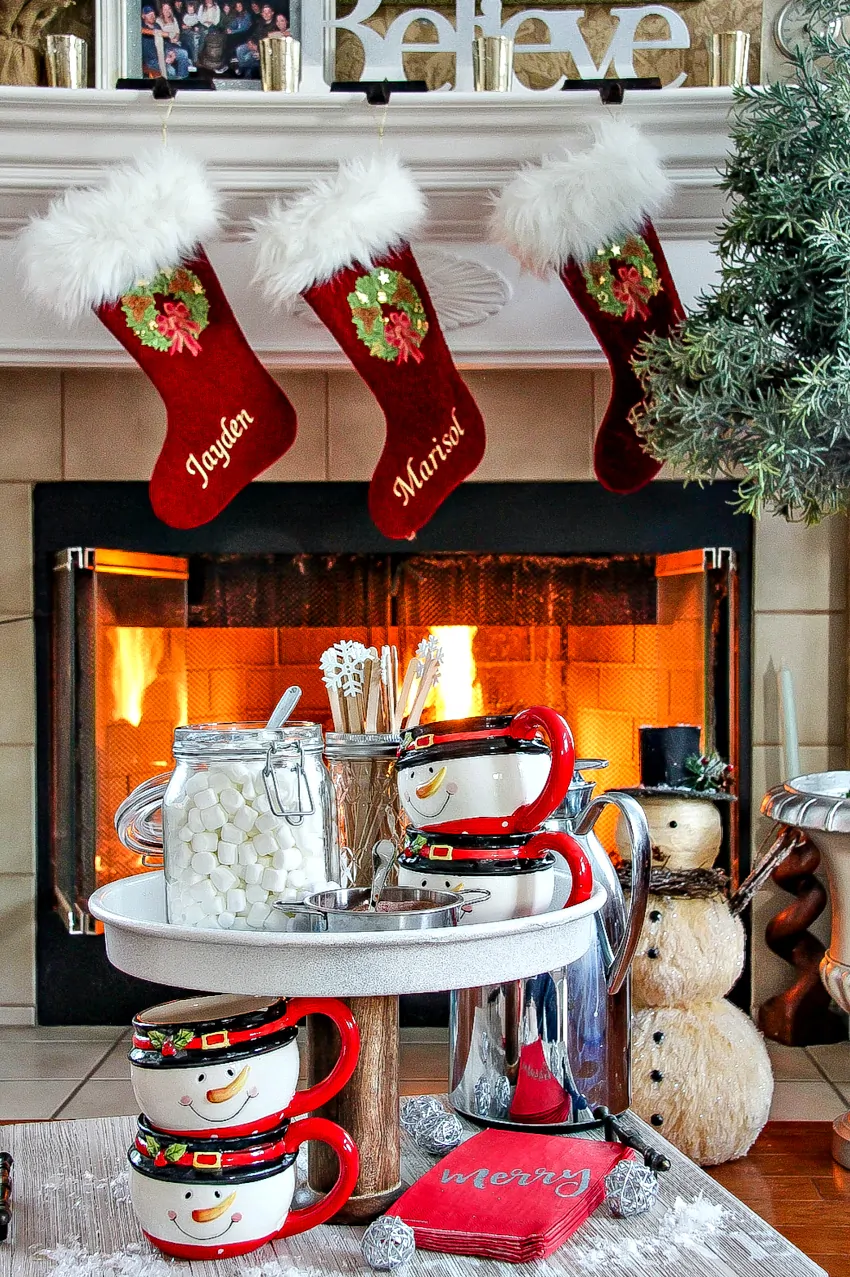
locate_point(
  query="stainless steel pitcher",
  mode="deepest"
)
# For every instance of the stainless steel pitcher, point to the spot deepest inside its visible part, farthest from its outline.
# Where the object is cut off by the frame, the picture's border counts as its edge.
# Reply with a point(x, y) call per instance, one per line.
point(545, 1051)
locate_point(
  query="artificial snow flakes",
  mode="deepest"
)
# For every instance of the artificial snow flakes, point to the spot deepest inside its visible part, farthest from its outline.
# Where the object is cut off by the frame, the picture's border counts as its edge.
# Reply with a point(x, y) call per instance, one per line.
point(388, 1243)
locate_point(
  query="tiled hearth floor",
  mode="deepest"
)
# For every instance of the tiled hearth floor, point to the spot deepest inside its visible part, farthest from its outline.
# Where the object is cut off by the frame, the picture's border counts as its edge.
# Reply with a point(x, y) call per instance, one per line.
point(82, 1072)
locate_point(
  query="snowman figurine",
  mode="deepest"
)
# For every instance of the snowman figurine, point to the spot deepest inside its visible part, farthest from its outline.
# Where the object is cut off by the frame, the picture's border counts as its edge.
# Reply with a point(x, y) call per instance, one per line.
point(700, 1070)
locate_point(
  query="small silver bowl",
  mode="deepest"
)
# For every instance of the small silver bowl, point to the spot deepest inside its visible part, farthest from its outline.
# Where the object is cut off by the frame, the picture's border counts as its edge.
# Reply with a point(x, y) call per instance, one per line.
point(342, 910)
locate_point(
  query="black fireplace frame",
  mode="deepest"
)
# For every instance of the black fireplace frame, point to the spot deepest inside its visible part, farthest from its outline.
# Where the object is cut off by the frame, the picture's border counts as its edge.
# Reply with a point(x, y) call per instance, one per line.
point(75, 983)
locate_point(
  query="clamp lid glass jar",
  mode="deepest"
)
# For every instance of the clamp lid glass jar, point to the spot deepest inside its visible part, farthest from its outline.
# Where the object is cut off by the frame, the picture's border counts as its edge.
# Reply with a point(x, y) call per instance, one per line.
point(246, 820)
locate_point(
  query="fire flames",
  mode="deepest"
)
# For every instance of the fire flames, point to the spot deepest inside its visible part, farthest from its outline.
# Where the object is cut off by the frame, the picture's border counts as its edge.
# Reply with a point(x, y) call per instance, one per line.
point(136, 655)
point(458, 693)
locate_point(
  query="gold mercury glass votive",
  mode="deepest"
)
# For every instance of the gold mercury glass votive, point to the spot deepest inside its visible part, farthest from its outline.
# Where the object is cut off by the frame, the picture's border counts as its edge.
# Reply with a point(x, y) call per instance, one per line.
point(728, 58)
point(67, 61)
point(493, 63)
point(280, 64)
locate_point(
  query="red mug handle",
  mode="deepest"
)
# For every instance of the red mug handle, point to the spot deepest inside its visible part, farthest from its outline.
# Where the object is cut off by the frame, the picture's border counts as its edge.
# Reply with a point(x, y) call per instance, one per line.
point(315, 1096)
point(560, 739)
point(575, 856)
point(319, 1128)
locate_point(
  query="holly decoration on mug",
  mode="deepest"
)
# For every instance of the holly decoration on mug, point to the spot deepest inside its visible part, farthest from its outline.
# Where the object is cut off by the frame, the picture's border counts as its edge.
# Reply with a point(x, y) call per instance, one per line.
point(622, 278)
point(184, 314)
point(388, 314)
point(163, 1156)
point(168, 1044)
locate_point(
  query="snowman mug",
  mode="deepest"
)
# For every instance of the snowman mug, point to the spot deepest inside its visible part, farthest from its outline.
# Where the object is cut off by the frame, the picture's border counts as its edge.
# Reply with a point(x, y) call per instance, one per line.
point(229, 1065)
point(214, 1199)
point(490, 775)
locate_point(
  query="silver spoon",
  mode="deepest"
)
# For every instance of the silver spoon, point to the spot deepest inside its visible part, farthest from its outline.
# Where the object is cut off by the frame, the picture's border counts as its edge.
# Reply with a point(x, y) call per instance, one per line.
point(383, 855)
point(283, 710)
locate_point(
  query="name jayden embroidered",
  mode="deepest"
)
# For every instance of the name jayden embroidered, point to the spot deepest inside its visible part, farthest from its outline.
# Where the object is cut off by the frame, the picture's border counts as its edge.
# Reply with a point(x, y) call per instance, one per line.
point(220, 449)
point(405, 488)
point(565, 1183)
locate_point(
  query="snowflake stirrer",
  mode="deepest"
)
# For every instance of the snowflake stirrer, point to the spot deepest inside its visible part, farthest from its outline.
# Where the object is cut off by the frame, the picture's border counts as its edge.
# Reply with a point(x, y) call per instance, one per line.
point(430, 657)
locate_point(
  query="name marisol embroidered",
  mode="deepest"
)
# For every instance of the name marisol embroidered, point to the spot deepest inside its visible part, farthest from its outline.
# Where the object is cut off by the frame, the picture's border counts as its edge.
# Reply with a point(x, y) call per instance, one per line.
point(565, 1183)
point(220, 450)
point(406, 487)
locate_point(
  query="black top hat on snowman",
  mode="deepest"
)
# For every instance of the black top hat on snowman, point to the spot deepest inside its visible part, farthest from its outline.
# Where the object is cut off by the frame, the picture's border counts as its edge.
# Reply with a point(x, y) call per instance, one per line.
point(672, 765)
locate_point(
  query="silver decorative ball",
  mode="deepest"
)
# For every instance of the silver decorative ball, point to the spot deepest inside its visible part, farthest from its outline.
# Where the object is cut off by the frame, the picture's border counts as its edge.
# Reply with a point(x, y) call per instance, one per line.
point(439, 1136)
point(388, 1243)
point(630, 1188)
point(418, 1111)
point(483, 1097)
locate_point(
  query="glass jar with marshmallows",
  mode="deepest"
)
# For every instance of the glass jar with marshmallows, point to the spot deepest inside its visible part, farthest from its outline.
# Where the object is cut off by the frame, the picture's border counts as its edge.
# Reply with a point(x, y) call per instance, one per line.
point(247, 820)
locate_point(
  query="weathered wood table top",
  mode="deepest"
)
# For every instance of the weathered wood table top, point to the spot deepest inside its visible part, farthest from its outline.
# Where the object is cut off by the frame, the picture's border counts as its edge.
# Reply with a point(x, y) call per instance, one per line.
point(70, 1187)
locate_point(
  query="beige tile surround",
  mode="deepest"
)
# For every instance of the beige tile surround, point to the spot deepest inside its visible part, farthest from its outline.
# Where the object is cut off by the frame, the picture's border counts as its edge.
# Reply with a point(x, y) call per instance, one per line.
point(109, 425)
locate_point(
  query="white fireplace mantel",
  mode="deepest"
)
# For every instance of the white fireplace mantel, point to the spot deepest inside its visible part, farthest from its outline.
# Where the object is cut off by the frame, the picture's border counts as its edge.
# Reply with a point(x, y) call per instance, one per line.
point(462, 148)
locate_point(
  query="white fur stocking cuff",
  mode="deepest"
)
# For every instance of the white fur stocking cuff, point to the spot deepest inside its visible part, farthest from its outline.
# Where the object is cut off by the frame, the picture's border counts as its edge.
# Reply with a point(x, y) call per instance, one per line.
point(94, 243)
point(360, 213)
point(565, 208)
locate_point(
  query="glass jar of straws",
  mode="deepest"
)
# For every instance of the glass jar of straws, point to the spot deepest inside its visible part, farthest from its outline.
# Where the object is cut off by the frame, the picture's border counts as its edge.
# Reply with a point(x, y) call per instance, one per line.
point(362, 768)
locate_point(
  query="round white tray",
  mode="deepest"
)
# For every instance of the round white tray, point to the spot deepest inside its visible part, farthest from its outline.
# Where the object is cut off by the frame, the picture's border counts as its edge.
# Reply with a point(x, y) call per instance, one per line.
point(298, 964)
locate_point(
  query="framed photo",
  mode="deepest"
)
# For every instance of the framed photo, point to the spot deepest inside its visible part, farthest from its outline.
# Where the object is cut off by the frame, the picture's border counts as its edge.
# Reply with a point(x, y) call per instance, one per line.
point(220, 38)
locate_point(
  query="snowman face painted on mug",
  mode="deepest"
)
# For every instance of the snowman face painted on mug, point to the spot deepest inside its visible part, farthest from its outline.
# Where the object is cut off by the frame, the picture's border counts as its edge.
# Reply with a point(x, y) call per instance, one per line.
point(206, 1098)
point(484, 785)
point(210, 1216)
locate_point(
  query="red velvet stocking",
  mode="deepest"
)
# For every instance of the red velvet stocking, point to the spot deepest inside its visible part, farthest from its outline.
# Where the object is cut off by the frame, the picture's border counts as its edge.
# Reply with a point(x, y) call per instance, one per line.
point(625, 293)
point(228, 420)
point(385, 322)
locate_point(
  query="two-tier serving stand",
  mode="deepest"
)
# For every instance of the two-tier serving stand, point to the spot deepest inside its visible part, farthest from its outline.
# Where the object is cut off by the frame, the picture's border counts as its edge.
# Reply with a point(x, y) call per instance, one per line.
point(368, 969)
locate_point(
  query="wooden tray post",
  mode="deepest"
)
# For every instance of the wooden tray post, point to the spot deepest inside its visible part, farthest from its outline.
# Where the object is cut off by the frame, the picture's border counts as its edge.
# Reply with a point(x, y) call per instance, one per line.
point(367, 1108)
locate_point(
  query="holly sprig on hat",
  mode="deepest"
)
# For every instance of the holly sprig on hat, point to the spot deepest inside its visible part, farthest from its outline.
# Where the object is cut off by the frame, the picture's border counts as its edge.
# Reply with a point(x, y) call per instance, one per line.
point(170, 1043)
point(709, 773)
point(163, 1156)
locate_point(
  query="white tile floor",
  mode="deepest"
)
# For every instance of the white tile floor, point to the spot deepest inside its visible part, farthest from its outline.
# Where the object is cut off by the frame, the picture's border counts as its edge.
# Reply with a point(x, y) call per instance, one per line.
point(83, 1072)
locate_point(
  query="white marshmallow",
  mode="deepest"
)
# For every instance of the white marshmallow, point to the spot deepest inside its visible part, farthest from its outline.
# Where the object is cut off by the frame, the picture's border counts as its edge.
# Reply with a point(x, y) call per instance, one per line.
point(218, 781)
point(214, 817)
point(236, 900)
point(195, 821)
point(289, 895)
point(204, 842)
point(213, 906)
point(267, 823)
point(297, 878)
point(185, 834)
point(188, 878)
point(274, 879)
point(241, 924)
point(181, 855)
point(203, 862)
point(247, 854)
point(255, 895)
point(205, 798)
point(231, 832)
point(253, 874)
point(283, 834)
point(227, 852)
point(244, 819)
point(197, 782)
point(231, 800)
point(226, 919)
point(202, 891)
point(239, 773)
point(261, 803)
point(222, 879)
point(194, 914)
point(249, 791)
point(258, 915)
point(265, 845)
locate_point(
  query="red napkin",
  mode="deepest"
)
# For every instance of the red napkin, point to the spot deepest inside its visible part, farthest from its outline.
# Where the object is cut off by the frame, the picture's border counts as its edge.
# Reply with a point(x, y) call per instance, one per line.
point(509, 1195)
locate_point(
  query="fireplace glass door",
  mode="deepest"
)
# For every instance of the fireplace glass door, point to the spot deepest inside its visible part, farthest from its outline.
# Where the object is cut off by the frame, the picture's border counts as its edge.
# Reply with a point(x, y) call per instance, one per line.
point(142, 643)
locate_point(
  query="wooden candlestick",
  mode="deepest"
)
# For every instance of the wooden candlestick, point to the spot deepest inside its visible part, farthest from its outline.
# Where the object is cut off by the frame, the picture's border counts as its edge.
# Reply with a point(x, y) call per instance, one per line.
point(367, 1107)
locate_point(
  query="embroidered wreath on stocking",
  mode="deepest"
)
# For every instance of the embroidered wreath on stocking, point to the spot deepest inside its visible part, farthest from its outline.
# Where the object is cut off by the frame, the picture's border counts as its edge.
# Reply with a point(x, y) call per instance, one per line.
point(622, 278)
point(389, 316)
point(183, 317)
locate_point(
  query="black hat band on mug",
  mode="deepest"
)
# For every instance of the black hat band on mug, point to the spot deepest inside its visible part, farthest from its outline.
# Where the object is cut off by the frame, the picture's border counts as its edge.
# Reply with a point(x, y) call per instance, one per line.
point(193, 1041)
point(468, 847)
point(479, 868)
point(162, 1152)
point(465, 738)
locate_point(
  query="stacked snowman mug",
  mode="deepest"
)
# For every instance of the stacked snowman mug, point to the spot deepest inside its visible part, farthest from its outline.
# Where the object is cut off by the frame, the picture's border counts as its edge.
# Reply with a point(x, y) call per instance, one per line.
point(476, 792)
point(212, 1165)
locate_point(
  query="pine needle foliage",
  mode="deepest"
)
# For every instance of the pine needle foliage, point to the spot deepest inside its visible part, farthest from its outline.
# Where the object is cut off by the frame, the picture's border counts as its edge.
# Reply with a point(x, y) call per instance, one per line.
point(755, 385)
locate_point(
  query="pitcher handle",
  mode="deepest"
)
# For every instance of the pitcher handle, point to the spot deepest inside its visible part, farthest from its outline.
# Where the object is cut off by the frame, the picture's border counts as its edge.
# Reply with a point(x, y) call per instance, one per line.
point(641, 848)
point(134, 822)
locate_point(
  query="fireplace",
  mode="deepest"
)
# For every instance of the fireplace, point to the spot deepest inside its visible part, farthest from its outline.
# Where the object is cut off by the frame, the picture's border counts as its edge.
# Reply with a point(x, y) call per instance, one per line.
point(616, 611)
